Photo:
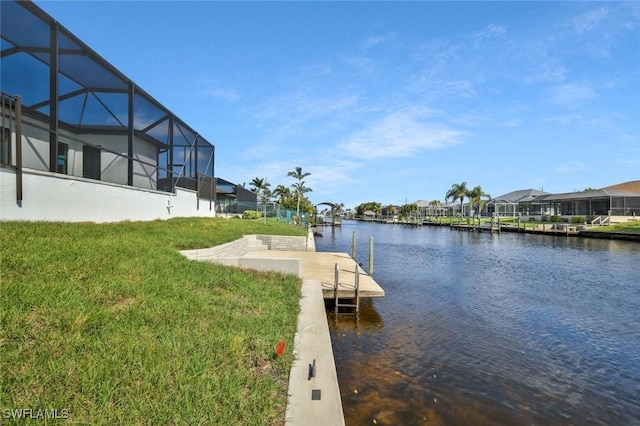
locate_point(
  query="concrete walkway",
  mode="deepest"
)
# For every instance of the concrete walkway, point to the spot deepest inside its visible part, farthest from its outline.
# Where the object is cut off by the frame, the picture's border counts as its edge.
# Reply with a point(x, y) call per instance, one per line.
point(313, 399)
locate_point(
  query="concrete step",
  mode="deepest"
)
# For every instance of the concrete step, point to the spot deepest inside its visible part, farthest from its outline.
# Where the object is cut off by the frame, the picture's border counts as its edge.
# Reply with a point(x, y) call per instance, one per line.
point(254, 244)
point(257, 246)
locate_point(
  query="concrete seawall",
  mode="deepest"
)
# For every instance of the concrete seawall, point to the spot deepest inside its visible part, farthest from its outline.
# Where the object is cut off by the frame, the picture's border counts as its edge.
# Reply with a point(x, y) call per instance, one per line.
point(235, 253)
point(313, 399)
point(622, 236)
point(314, 394)
point(249, 243)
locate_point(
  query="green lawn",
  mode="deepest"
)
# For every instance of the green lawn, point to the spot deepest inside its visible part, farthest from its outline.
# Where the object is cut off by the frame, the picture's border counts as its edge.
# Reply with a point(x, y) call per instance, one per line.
point(111, 323)
point(630, 227)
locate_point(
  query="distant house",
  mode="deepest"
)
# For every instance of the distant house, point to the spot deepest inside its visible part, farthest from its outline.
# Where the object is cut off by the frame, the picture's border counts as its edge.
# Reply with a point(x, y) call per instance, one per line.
point(622, 199)
point(234, 199)
point(423, 208)
point(369, 215)
point(427, 209)
point(79, 141)
point(514, 202)
point(390, 212)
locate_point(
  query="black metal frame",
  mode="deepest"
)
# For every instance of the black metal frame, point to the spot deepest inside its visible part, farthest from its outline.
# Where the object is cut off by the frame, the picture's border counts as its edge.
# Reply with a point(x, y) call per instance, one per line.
point(58, 33)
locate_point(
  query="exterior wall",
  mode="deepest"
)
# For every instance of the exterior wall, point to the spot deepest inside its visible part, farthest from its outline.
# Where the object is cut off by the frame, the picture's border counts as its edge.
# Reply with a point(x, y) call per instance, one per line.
point(281, 242)
point(55, 197)
point(35, 147)
point(35, 154)
point(145, 176)
point(113, 167)
point(248, 243)
point(232, 249)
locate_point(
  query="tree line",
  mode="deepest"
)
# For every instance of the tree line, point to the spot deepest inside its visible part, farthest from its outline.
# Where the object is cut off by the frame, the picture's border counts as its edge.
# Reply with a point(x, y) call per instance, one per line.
point(290, 198)
point(459, 191)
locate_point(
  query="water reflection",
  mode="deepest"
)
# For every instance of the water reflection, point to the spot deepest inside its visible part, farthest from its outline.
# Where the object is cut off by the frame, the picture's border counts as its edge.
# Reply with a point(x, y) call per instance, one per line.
point(490, 329)
point(368, 318)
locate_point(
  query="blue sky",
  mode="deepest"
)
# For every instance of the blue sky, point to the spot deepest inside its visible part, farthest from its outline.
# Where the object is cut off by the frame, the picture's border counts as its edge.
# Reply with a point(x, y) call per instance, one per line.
point(389, 101)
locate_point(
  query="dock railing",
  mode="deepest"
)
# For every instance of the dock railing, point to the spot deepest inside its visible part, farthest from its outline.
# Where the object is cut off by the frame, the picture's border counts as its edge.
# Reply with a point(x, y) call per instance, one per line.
point(600, 221)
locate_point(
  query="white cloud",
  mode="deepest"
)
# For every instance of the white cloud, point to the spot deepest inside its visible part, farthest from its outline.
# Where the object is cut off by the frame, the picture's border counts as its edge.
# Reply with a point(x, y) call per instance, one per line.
point(629, 161)
point(489, 31)
point(303, 113)
point(214, 88)
point(571, 167)
point(303, 104)
point(361, 64)
point(373, 41)
point(227, 94)
point(589, 20)
point(571, 94)
point(316, 70)
point(401, 134)
point(515, 122)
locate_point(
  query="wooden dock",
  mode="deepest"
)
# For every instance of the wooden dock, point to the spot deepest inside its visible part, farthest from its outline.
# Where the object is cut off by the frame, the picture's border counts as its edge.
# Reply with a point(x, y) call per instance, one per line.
point(547, 229)
point(475, 228)
point(320, 266)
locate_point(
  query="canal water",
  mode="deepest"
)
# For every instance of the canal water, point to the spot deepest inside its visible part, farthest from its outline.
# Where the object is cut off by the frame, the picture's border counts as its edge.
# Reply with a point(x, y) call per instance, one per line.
point(488, 329)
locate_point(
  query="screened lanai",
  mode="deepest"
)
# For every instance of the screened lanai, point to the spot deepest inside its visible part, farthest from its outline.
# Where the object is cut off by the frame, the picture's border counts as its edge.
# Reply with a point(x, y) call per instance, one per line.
point(232, 198)
point(515, 202)
point(82, 117)
point(600, 202)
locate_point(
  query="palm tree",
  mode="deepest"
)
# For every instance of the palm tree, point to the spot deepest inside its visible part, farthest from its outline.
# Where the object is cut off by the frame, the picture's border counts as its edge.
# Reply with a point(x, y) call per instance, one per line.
point(299, 187)
point(266, 193)
point(257, 184)
point(435, 206)
point(261, 187)
point(458, 191)
point(477, 197)
point(282, 192)
point(407, 210)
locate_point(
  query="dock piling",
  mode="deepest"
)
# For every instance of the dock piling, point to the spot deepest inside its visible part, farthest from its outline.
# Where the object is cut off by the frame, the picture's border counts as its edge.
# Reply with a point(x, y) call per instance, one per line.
point(371, 257)
point(353, 245)
point(335, 285)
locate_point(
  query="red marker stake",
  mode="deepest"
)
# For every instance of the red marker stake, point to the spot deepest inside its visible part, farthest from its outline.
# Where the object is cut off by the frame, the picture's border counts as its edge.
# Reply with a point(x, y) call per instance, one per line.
point(280, 349)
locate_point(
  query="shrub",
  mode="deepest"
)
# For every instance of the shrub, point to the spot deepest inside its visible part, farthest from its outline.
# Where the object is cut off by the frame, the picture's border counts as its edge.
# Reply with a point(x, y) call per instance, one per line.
point(577, 219)
point(590, 218)
point(250, 214)
point(532, 219)
point(555, 218)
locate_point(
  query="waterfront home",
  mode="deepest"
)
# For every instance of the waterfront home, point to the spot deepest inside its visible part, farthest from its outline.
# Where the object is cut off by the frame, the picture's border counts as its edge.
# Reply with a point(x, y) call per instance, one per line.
point(618, 202)
point(80, 141)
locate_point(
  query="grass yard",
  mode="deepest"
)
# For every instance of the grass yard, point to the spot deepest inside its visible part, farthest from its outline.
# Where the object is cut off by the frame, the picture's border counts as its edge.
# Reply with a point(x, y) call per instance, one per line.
point(632, 227)
point(110, 323)
point(627, 227)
